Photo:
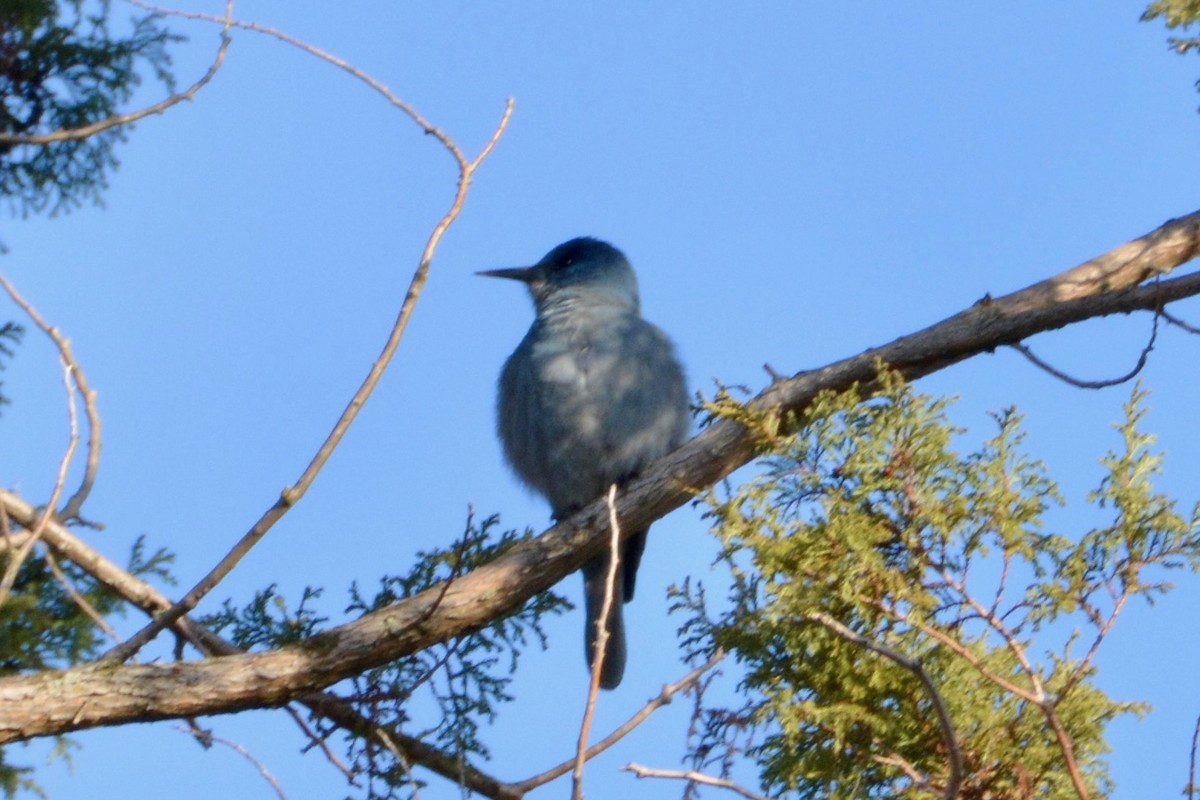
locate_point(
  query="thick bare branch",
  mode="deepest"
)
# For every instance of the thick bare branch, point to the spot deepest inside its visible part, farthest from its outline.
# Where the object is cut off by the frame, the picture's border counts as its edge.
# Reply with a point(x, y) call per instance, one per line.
point(91, 695)
point(150, 600)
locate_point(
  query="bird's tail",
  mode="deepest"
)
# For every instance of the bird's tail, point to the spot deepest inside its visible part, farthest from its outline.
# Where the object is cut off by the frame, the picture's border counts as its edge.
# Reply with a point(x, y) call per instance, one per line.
point(595, 579)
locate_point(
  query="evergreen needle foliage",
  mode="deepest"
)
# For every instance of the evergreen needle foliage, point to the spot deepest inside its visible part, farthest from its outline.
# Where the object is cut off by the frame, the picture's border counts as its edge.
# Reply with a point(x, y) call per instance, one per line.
point(868, 527)
point(443, 695)
point(43, 626)
point(1177, 14)
point(62, 68)
point(10, 336)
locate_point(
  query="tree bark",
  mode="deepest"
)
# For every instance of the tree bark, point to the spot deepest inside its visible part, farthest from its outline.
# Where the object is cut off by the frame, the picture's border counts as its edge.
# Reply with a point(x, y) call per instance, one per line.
point(94, 695)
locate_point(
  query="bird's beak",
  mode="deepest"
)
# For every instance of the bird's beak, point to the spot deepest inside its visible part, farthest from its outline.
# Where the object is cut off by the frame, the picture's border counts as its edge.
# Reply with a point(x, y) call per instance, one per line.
point(523, 274)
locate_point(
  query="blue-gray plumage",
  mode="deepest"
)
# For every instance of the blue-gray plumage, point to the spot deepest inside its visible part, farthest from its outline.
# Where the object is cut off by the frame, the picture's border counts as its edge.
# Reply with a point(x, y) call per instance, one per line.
point(590, 397)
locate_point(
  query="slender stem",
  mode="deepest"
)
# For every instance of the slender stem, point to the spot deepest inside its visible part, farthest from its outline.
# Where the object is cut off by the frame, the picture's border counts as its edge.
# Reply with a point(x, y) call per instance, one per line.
point(658, 701)
point(598, 652)
point(949, 738)
point(126, 119)
point(292, 494)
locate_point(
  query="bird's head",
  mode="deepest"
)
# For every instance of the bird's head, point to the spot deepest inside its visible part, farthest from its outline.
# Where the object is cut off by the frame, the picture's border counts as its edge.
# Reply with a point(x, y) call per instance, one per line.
point(583, 271)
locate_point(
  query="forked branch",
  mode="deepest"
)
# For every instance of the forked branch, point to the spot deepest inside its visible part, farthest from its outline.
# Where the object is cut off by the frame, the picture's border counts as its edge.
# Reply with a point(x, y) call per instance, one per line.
point(89, 695)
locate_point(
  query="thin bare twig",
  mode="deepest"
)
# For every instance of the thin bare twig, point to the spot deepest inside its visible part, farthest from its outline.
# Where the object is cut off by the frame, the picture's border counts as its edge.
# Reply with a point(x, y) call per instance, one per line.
point(903, 764)
point(949, 737)
point(1191, 785)
point(598, 652)
point(1046, 703)
point(207, 739)
point(381, 735)
point(663, 698)
point(1067, 747)
point(336, 61)
point(125, 119)
point(17, 558)
point(11, 541)
point(73, 505)
point(692, 776)
point(958, 649)
point(319, 742)
point(1176, 321)
point(1103, 627)
point(1037, 690)
point(311, 49)
point(1101, 384)
point(76, 597)
point(292, 494)
point(1001, 584)
point(147, 598)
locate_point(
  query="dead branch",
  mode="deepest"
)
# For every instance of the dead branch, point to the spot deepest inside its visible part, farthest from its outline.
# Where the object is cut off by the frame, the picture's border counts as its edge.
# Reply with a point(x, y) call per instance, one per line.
point(692, 776)
point(658, 701)
point(77, 598)
point(125, 119)
point(585, 727)
point(17, 556)
point(1143, 357)
point(92, 695)
point(207, 739)
point(292, 494)
point(144, 596)
point(411, 112)
point(1176, 321)
point(71, 508)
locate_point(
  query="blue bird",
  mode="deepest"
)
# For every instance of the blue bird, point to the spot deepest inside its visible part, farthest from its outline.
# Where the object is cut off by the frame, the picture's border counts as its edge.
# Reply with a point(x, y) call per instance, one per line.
point(591, 396)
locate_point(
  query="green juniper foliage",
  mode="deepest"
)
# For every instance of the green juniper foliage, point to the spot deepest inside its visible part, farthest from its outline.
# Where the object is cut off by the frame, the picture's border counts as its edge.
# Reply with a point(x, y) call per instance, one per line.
point(10, 335)
point(15, 779)
point(1177, 14)
point(444, 694)
point(62, 67)
point(266, 621)
point(867, 522)
point(43, 627)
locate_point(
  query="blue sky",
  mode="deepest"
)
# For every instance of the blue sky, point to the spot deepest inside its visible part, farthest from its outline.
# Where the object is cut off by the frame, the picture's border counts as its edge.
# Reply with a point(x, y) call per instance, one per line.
point(794, 182)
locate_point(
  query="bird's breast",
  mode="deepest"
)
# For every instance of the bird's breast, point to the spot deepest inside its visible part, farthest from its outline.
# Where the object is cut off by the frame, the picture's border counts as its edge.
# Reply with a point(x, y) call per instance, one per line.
point(584, 405)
